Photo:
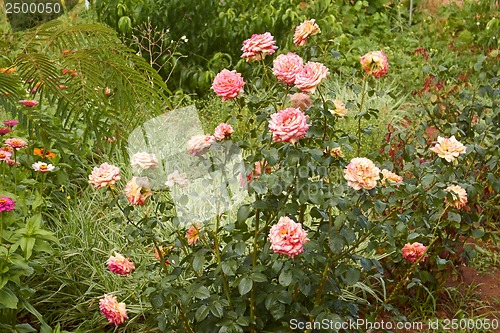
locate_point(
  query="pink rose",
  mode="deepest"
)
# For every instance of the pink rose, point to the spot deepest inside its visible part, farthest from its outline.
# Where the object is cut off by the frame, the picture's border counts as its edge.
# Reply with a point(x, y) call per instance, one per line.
point(138, 190)
point(120, 265)
point(459, 196)
point(305, 30)
point(115, 312)
point(223, 131)
point(375, 63)
point(288, 125)
point(144, 161)
point(361, 173)
point(200, 144)
point(311, 75)
point(287, 66)
point(412, 252)
point(287, 237)
point(258, 47)
point(448, 148)
point(228, 84)
point(104, 175)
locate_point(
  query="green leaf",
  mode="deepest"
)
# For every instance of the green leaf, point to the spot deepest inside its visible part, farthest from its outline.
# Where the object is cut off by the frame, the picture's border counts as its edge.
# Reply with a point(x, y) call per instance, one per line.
point(8, 299)
point(285, 278)
point(379, 206)
point(216, 309)
point(478, 233)
point(157, 300)
point(27, 244)
point(202, 292)
point(452, 216)
point(201, 313)
point(258, 277)
point(243, 213)
point(352, 276)
point(245, 286)
point(24, 328)
point(198, 262)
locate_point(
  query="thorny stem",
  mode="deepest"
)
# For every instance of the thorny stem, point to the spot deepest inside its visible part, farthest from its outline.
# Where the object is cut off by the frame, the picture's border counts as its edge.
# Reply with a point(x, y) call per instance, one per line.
point(365, 81)
point(225, 285)
point(254, 263)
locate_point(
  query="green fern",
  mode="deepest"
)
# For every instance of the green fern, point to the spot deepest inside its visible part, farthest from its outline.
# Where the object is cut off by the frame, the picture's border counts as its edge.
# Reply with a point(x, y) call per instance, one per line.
point(100, 60)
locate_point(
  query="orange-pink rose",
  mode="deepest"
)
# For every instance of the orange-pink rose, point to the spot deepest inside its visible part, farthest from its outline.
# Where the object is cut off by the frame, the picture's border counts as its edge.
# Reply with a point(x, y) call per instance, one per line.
point(311, 75)
point(120, 265)
point(412, 252)
point(287, 237)
point(193, 234)
point(448, 148)
point(223, 131)
point(459, 196)
point(115, 312)
point(375, 63)
point(138, 190)
point(228, 84)
point(287, 66)
point(391, 177)
point(305, 30)
point(361, 173)
point(258, 47)
point(288, 125)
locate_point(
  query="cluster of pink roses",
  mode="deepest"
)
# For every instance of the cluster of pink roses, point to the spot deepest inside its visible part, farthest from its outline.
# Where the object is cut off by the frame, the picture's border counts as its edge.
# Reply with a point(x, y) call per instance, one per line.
point(200, 144)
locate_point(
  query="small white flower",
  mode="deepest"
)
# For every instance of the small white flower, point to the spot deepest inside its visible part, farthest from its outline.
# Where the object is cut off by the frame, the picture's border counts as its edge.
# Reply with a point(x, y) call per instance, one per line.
point(42, 167)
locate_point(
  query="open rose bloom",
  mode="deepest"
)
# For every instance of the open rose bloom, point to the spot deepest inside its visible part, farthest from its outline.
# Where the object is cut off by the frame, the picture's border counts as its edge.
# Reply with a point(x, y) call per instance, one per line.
point(223, 131)
point(193, 234)
point(459, 196)
point(412, 252)
point(287, 66)
point(120, 265)
point(340, 109)
point(200, 144)
point(115, 312)
point(305, 30)
point(144, 161)
point(361, 173)
point(287, 237)
point(391, 177)
point(228, 84)
point(311, 75)
point(288, 125)
point(448, 148)
point(176, 178)
point(375, 63)
point(138, 190)
point(104, 175)
point(258, 47)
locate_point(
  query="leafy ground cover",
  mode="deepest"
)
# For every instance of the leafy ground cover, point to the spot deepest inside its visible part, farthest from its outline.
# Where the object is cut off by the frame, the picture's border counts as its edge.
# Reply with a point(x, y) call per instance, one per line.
point(351, 170)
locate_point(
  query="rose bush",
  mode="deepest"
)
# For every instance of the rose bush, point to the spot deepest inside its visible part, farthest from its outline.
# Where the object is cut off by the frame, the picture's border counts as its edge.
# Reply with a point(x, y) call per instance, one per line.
point(326, 233)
